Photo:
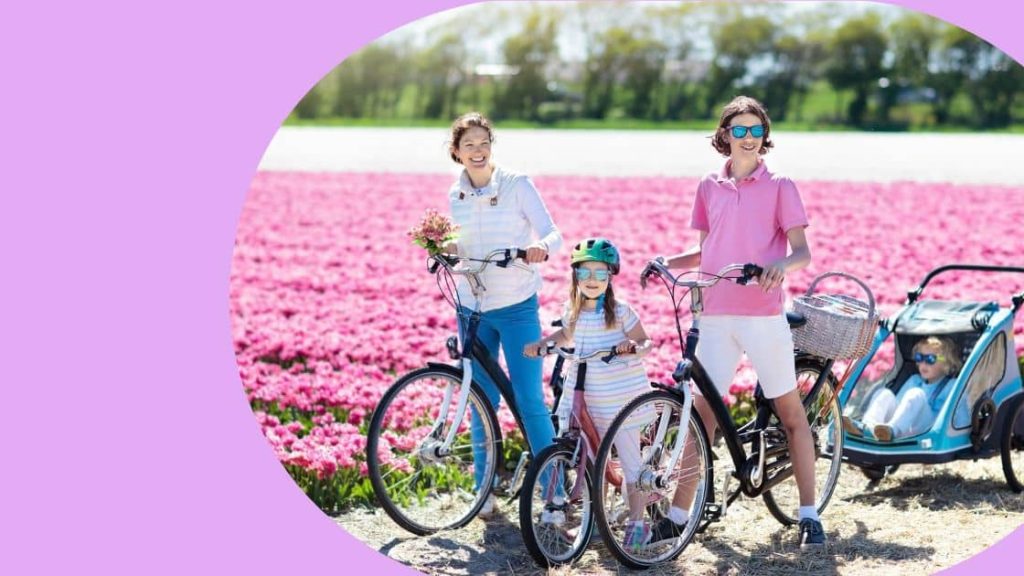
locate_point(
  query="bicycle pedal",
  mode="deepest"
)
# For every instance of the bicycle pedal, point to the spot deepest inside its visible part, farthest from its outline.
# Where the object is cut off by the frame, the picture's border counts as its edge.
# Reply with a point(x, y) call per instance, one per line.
point(713, 512)
point(515, 496)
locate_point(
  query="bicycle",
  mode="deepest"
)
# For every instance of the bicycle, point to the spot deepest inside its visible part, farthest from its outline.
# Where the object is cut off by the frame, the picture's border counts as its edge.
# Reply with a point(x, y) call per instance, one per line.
point(564, 471)
point(763, 471)
point(432, 484)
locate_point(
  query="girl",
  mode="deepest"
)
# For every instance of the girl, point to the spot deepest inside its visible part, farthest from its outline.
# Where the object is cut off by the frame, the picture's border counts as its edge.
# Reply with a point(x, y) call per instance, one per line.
point(496, 208)
point(594, 320)
point(913, 410)
point(746, 213)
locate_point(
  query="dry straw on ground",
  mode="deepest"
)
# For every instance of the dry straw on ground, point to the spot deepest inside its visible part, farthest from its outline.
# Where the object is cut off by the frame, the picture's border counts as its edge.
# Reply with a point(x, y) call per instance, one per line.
point(918, 521)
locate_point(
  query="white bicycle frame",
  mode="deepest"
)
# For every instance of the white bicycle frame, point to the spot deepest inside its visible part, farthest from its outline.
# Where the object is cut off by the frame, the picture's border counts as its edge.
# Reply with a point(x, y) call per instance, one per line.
point(478, 288)
point(696, 308)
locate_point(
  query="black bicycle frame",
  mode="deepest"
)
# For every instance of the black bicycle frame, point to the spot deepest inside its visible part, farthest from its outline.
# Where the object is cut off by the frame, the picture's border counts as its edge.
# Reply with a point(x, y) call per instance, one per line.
point(475, 350)
point(734, 436)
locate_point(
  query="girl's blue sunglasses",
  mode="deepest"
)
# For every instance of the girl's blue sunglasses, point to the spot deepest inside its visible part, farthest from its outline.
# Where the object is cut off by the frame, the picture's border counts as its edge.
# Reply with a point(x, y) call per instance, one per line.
point(583, 274)
point(928, 358)
point(756, 131)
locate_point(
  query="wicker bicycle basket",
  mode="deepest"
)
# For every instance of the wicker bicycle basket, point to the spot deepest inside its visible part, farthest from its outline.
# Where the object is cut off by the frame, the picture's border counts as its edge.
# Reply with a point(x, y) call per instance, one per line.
point(838, 326)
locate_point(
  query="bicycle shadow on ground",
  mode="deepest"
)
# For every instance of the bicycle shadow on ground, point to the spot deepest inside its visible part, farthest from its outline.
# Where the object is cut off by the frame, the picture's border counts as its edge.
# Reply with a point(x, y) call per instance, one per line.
point(939, 491)
point(781, 554)
point(496, 549)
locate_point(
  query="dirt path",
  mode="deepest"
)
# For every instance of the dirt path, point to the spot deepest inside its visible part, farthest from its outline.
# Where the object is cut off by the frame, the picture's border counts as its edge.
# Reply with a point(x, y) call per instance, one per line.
point(919, 521)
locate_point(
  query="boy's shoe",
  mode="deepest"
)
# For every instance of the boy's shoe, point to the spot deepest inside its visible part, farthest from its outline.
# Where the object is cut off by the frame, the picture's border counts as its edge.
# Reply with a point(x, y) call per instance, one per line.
point(665, 530)
point(812, 535)
point(490, 507)
point(884, 432)
point(553, 514)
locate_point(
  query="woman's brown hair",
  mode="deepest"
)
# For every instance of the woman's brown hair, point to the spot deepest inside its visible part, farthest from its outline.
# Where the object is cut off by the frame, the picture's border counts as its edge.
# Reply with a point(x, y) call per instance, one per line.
point(464, 123)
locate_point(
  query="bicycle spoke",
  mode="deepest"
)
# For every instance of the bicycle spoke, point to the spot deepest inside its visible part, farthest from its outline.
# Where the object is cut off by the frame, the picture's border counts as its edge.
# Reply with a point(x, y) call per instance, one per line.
point(426, 493)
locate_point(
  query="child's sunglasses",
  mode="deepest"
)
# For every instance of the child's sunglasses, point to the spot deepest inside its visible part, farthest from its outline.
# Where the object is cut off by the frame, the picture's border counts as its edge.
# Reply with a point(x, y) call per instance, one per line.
point(583, 274)
point(928, 358)
point(757, 131)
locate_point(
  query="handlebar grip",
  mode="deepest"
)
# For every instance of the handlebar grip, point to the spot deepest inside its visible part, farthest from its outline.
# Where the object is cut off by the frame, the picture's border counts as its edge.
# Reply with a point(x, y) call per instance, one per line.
point(750, 271)
point(521, 254)
point(435, 262)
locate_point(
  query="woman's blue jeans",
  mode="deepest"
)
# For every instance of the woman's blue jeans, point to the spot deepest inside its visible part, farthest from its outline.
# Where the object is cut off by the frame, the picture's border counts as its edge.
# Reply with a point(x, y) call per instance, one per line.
point(510, 329)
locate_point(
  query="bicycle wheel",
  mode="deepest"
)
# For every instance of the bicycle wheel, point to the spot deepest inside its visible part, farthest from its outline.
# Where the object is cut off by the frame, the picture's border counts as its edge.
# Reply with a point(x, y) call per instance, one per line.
point(1013, 447)
point(653, 418)
point(554, 474)
point(421, 491)
point(783, 500)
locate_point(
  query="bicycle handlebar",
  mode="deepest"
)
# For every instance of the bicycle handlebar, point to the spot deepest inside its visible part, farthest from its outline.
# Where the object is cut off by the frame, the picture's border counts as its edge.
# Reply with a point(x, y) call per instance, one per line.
point(609, 353)
point(657, 266)
point(501, 258)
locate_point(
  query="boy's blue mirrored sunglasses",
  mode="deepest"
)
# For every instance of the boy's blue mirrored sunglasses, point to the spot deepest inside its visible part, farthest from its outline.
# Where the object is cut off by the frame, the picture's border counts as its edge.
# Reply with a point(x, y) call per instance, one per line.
point(756, 131)
point(585, 274)
point(928, 358)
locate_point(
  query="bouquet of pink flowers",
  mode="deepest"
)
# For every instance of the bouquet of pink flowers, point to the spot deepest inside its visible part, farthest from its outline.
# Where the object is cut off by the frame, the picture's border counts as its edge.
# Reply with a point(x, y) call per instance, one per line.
point(434, 232)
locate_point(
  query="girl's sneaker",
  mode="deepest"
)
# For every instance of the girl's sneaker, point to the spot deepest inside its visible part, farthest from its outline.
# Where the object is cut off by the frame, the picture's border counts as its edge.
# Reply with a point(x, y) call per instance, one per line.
point(638, 535)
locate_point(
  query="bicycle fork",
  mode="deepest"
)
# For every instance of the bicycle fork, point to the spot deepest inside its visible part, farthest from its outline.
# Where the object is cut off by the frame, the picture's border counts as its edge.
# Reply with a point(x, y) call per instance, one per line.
point(652, 478)
point(431, 450)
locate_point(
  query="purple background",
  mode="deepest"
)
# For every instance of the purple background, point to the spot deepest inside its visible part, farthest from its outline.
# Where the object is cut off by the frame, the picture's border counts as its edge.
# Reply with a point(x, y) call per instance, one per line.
point(131, 134)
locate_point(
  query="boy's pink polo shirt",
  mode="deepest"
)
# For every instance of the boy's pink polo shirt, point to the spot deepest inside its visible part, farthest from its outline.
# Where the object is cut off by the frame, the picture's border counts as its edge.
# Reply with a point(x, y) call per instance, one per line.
point(745, 221)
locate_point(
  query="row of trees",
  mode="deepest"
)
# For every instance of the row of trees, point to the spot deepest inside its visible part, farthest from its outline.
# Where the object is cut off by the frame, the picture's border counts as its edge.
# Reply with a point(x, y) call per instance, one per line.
point(678, 63)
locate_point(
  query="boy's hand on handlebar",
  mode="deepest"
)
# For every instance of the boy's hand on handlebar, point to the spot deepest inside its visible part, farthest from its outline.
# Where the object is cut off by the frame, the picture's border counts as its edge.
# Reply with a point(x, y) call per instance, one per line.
point(772, 276)
point(649, 270)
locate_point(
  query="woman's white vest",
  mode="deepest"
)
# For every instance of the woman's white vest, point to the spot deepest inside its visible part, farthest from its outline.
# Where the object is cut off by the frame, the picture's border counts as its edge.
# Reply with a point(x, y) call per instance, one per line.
point(497, 220)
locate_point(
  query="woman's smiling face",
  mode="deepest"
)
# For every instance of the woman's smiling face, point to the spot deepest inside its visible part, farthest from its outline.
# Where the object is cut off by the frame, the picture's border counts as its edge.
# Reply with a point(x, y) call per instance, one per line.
point(474, 148)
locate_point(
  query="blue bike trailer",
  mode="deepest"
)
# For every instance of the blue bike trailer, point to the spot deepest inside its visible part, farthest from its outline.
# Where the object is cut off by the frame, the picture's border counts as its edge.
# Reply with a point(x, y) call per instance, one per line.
point(972, 422)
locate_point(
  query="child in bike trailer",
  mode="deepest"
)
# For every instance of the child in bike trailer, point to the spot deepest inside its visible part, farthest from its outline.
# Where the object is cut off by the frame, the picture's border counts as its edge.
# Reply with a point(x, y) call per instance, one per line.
point(746, 213)
point(890, 416)
point(594, 319)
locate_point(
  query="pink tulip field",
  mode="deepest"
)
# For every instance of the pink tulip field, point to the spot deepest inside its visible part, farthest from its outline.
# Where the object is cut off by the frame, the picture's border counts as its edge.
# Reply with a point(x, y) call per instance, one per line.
point(330, 300)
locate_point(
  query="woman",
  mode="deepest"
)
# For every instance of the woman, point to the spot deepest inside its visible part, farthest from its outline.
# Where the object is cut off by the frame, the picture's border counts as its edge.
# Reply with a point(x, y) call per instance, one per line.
point(496, 208)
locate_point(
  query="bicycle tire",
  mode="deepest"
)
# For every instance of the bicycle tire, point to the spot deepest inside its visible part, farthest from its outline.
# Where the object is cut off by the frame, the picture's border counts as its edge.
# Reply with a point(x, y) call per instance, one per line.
point(1012, 448)
point(444, 495)
point(551, 545)
point(827, 433)
point(610, 528)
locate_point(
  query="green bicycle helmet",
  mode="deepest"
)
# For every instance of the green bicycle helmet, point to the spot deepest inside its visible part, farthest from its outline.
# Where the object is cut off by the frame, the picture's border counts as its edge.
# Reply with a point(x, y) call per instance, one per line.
point(597, 250)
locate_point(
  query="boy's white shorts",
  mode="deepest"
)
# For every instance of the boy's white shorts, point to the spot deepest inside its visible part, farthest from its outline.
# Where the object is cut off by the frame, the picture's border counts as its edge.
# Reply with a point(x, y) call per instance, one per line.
point(767, 341)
